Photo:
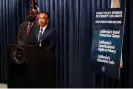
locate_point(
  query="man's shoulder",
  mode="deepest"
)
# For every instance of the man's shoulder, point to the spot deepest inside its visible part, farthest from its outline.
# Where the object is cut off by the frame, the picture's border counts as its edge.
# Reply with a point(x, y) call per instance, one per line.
point(36, 29)
point(36, 24)
point(23, 24)
point(52, 29)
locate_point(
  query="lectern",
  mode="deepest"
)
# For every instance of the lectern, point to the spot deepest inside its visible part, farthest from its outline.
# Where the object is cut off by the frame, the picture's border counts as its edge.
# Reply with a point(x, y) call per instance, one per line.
point(31, 67)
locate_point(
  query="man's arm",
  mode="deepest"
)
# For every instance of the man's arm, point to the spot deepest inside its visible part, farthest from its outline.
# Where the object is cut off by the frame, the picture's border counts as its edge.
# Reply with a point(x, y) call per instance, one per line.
point(19, 37)
point(53, 40)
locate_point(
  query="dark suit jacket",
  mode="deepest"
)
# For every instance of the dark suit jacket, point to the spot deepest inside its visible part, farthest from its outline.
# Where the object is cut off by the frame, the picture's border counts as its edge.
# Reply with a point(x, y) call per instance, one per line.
point(22, 38)
point(48, 38)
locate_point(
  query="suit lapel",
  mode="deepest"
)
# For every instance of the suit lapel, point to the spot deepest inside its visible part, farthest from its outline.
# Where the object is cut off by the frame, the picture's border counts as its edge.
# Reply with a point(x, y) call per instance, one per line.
point(45, 33)
point(33, 25)
point(37, 32)
point(25, 28)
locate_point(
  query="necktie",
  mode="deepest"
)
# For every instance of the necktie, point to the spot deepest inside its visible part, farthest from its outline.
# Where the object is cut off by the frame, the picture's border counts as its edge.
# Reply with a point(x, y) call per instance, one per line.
point(29, 28)
point(40, 37)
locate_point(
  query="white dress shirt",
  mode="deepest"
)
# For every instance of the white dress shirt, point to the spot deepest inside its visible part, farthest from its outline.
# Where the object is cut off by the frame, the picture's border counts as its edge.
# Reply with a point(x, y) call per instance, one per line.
point(44, 28)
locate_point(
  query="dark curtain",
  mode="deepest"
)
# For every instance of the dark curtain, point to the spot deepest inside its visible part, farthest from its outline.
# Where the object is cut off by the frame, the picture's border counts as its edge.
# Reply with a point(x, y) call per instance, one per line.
point(72, 20)
point(130, 16)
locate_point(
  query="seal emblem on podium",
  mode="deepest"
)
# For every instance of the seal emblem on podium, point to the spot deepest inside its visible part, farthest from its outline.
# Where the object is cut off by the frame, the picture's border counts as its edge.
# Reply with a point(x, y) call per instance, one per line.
point(18, 55)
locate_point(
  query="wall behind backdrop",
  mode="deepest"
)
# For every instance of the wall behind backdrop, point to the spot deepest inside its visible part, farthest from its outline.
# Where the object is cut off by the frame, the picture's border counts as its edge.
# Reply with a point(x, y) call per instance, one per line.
point(72, 20)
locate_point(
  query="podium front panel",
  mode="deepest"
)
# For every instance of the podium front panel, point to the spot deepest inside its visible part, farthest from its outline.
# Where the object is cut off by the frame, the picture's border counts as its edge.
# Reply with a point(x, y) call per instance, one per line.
point(37, 70)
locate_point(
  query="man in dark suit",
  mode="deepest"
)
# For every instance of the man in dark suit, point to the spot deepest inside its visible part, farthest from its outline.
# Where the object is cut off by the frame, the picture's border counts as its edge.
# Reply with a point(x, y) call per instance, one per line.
point(24, 34)
point(43, 34)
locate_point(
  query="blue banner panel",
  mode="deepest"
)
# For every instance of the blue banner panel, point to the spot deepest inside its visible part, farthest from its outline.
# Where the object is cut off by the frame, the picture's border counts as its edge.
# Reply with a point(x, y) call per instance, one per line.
point(107, 40)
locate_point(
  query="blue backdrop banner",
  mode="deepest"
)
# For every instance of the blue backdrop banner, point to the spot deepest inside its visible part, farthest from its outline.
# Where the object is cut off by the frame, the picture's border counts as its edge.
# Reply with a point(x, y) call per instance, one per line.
point(108, 29)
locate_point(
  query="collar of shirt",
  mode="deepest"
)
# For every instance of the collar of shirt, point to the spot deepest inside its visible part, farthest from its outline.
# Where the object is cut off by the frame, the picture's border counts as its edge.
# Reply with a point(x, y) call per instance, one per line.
point(44, 28)
point(30, 23)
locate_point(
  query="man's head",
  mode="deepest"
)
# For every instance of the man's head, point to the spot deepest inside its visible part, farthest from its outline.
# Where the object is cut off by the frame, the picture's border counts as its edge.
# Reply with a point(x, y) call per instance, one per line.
point(32, 15)
point(43, 19)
